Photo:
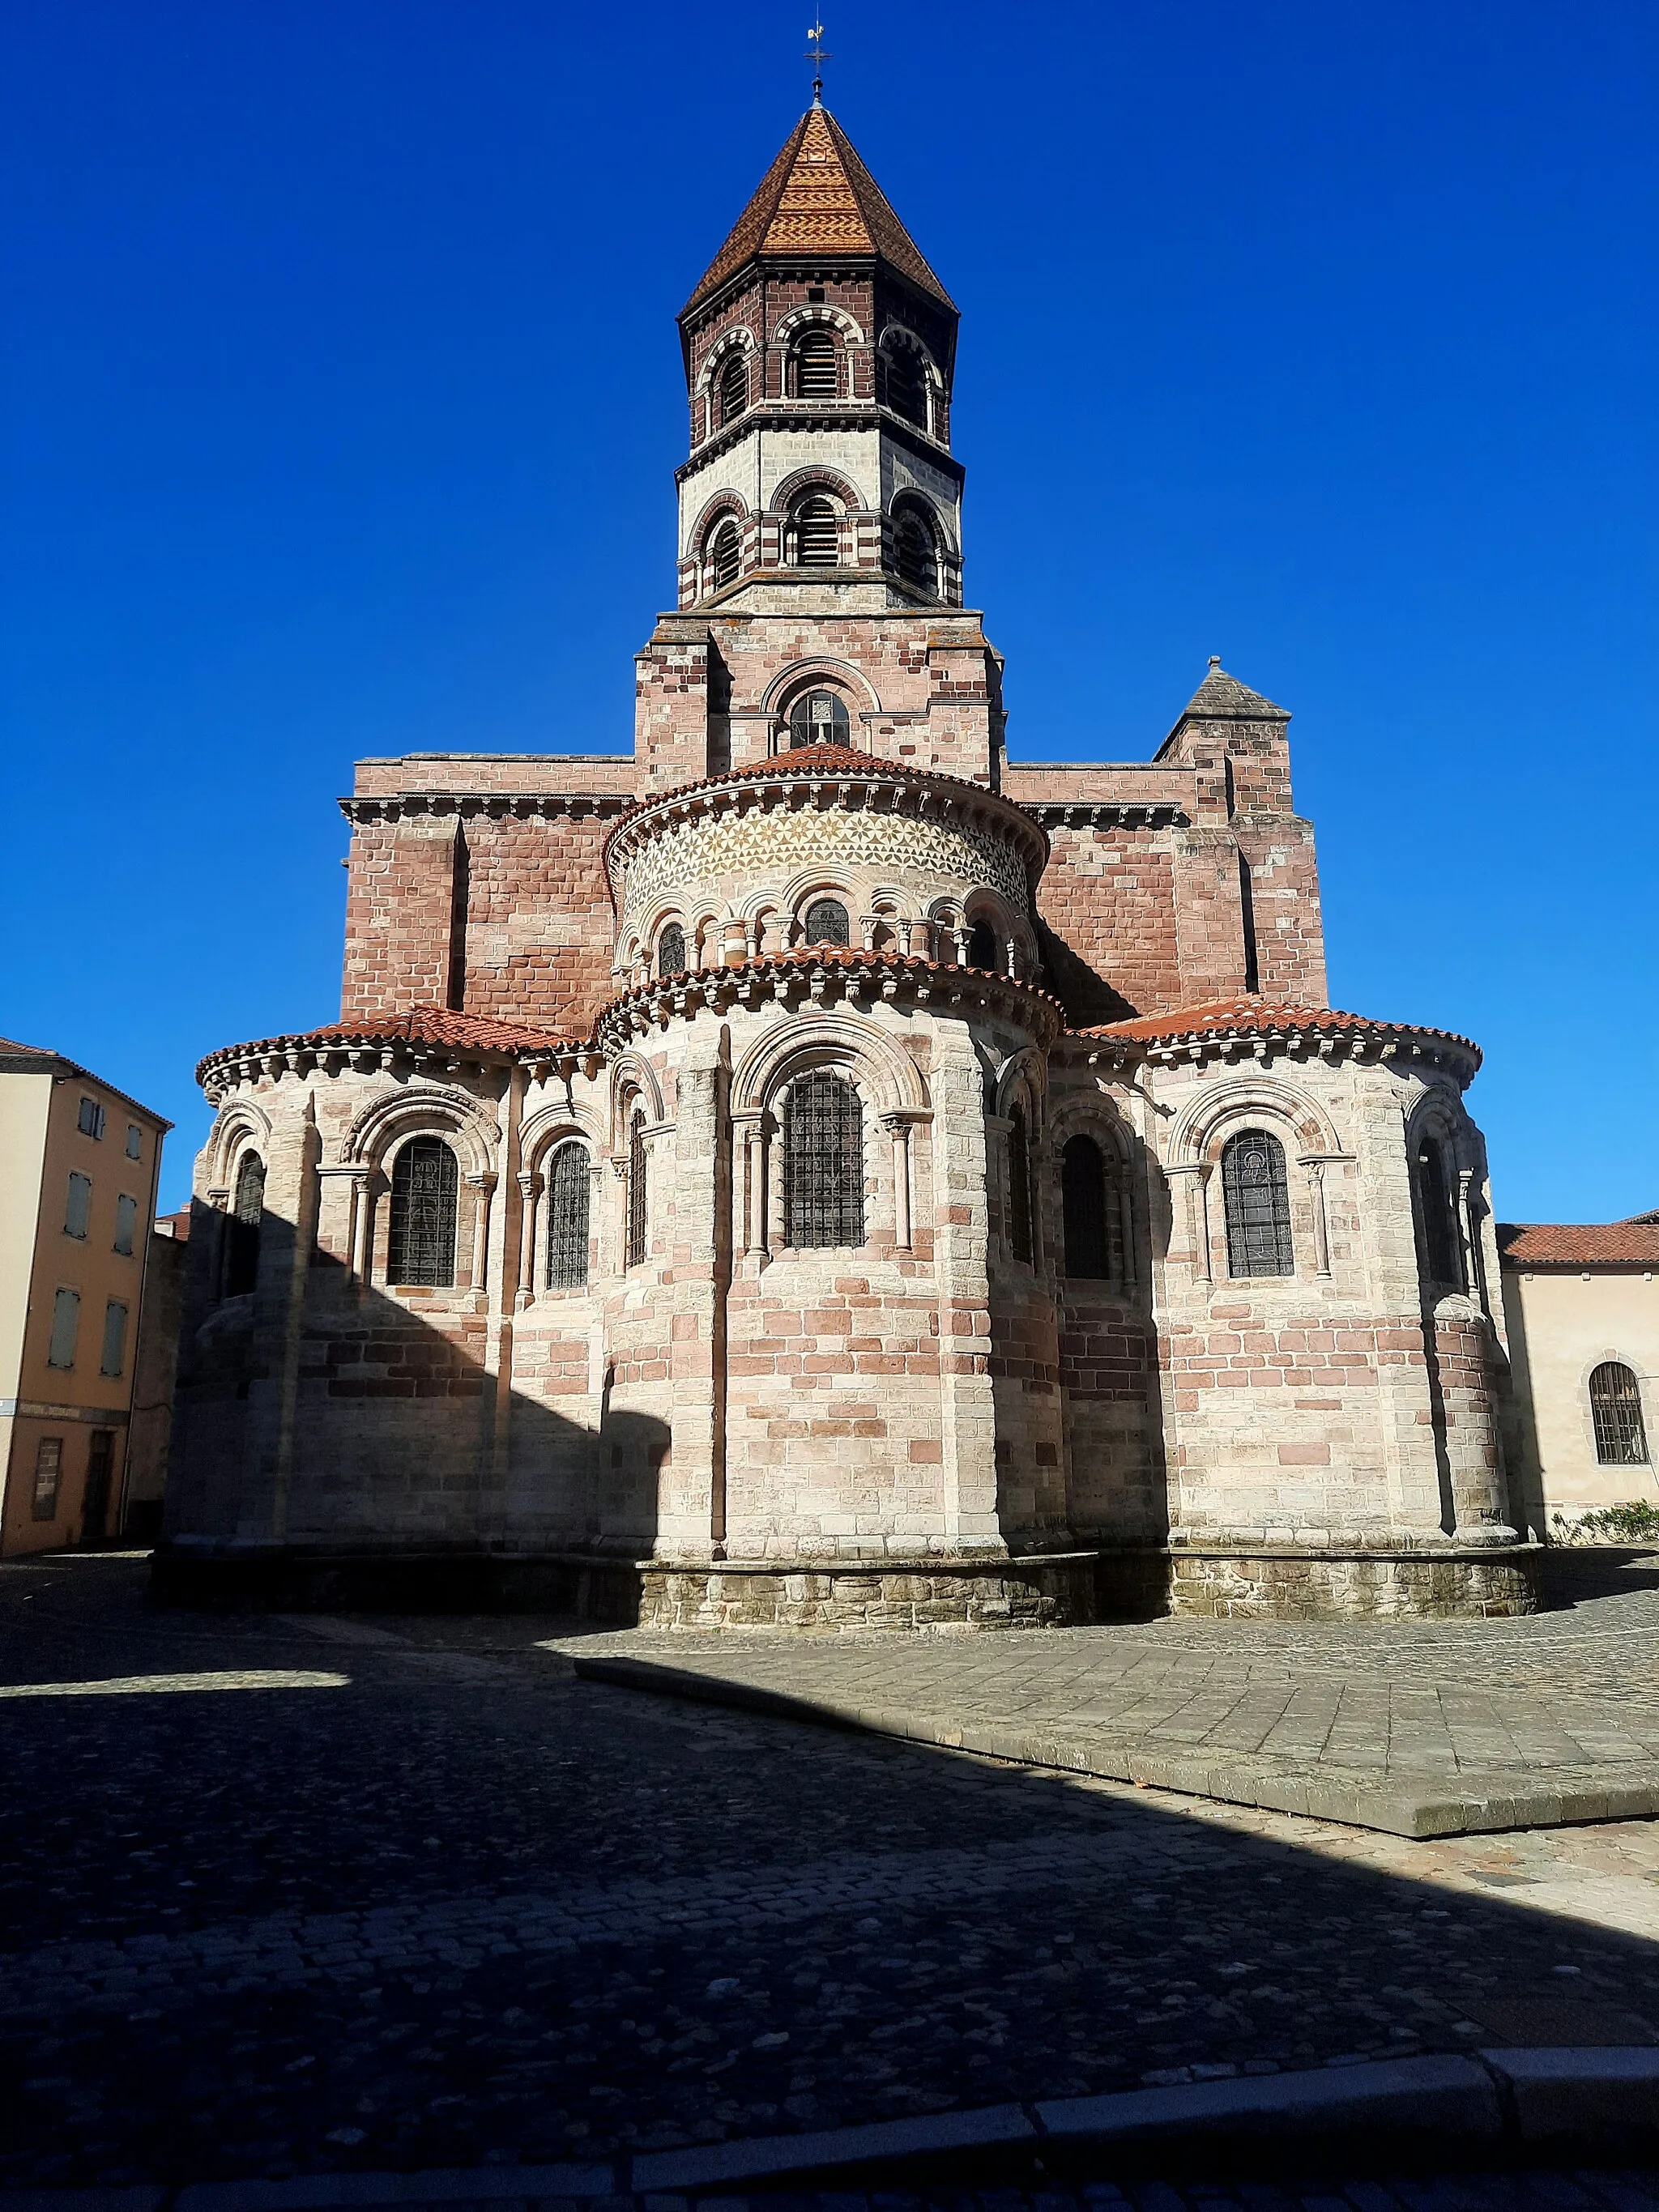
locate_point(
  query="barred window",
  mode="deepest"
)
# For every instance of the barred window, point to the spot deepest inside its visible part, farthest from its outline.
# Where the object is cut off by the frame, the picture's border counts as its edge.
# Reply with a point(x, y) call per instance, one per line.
point(816, 373)
point(816, 530)
point(726, 554)
point(1442, 1261)
point(1083, 1211)
point(1616, 1411)
point(733, 388)
point(568, 1182)
point(242, 1230)
point(819, 718)
point(826, 922)
point(671, 950)
point(823, 1161)
point(425, 1187)
point(983, 949)
point(1019, 1187)
point(1257, 1199)
point(638, 1169)
point(904, 383)
point(916, 551)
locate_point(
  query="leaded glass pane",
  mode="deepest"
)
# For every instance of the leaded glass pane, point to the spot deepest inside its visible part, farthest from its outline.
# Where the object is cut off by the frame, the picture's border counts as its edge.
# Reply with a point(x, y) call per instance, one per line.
point(568, 1182)
point(671, 950)
point(819, 718)
point(1083, 1196)
point(823, 1161)
point(425, 1186)
point(1616, 1411)
point(637, 1170)
point(1440, 1251)
point(826, 923)
point(1258, 1205)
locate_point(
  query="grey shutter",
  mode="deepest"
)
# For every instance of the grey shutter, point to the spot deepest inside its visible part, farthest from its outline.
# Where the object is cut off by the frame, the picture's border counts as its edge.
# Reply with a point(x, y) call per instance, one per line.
point(126, 1223)
point(65, 1328)
point(78, 1208)
point(115, 1337)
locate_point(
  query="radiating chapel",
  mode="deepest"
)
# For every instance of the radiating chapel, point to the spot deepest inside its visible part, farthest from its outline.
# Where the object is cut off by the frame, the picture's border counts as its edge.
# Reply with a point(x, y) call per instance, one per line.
point(813, 1169)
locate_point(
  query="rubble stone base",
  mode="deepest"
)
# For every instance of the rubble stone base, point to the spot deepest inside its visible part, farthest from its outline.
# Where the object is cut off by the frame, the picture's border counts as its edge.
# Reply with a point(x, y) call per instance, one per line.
point(1295, 1583)
point(1053, 1592)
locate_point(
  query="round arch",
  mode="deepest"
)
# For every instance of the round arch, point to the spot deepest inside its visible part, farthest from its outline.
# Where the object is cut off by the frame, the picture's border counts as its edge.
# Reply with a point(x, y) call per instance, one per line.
point(895, 1083)
point(816, 478)
point(1207, 1119)
point(387, 1122)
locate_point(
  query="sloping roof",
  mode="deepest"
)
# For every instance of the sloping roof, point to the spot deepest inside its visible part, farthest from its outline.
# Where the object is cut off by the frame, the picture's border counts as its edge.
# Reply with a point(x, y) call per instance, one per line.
point(1221, 695)
point(818, 198)
point(429, 1025)
point(1579, 1243)
point(12, 1050)
point(1259, 1017)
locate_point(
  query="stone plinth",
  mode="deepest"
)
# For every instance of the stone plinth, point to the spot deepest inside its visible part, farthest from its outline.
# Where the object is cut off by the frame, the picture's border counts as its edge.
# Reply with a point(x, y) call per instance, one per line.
point(1056, 1590)
point(1320, 1582)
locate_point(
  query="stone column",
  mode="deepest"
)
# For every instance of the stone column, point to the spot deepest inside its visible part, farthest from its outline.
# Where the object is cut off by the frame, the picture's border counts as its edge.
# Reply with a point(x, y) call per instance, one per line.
point(961, 1232)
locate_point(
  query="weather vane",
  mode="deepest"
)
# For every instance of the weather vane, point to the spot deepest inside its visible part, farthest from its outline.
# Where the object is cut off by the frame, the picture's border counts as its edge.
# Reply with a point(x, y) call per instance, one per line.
point(816, 55)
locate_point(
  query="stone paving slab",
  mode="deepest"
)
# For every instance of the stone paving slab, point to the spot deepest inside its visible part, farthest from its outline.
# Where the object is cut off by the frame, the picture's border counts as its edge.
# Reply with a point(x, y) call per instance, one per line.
point(1417, 1730)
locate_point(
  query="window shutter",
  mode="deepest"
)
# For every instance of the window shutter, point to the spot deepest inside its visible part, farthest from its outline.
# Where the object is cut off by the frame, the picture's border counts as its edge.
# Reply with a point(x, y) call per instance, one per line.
point(126, 1223)
point(115, 1337)
point(135, 1141)
point(78, 1209)
point(65, 1328)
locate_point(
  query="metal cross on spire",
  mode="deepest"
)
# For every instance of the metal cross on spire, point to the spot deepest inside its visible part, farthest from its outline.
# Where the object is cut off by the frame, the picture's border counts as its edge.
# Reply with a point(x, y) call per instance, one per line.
point(816, 56)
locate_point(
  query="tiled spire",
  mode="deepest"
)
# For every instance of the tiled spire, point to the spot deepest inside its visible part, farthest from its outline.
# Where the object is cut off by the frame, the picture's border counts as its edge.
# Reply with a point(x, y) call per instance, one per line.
point(818, 199)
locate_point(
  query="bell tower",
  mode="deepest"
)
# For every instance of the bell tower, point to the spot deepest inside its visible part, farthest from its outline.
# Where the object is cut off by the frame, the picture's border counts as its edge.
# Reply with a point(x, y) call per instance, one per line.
point(820, 505)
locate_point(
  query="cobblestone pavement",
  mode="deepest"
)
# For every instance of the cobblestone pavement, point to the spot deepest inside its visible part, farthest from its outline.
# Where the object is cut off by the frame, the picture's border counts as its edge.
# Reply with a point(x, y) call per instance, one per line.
point(282, 1896)
point(1375, 1713)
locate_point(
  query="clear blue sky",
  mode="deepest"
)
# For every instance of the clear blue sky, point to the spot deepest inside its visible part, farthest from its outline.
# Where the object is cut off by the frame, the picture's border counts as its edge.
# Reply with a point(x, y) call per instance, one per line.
point(341, 398)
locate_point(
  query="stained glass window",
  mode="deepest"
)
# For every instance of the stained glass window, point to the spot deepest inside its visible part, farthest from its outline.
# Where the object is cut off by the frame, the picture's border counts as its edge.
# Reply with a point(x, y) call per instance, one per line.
point(823, 1161)
point(568, 1181)
point(819, 718)
point(638, 1166)
point(825, 922)
point(1083, 1196)
point(242, 1230)
point(425, 1187)
point(671, 950)
point(1616, 1411)
point(1257, 1200)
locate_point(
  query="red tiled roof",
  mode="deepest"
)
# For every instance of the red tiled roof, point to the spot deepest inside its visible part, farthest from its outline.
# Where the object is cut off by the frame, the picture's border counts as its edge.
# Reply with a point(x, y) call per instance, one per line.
point(1258, 1017)
point(839, 955)
point(434, 1025)
point(27, 1051)
point(817, 198)
point(1579, 1243)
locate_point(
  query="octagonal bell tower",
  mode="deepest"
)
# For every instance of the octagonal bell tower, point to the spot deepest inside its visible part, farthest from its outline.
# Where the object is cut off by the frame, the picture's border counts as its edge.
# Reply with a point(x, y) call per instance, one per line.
point(820, 507)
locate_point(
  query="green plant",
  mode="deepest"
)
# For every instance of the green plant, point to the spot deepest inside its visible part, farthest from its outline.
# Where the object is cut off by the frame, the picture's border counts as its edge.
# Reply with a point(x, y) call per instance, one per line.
point(1635, 1522)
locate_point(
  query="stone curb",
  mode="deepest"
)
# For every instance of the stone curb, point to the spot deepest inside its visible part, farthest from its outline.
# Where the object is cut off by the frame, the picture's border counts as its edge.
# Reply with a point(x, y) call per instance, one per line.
point(1228, 1780)
point(1497, 2101)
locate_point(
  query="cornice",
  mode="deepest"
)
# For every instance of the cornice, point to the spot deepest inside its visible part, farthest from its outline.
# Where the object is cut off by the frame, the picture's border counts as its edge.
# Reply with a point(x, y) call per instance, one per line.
point(498, 805)
point(1106, 813)
point(843, 415)
point(1258, 1035)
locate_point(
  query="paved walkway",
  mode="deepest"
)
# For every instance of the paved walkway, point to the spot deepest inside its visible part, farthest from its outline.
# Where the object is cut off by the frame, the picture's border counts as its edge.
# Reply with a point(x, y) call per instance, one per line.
point(1421, 1730)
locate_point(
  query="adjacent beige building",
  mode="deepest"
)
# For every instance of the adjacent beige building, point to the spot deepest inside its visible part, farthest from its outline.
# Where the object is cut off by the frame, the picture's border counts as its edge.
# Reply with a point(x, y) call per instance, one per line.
point(76, 1201)
point(1582, 1303)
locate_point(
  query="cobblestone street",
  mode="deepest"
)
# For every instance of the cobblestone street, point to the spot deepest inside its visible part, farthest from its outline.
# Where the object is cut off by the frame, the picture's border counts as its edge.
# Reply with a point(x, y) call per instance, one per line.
point(283, 1896)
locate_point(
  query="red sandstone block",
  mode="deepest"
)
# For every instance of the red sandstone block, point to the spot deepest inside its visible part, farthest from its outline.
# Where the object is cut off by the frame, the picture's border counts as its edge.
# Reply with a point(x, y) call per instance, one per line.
point(1304, 1454)
point(926, 1451)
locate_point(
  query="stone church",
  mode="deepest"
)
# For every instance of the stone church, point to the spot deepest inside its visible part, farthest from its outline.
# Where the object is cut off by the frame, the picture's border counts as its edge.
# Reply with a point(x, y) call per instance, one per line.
point(813, 1170)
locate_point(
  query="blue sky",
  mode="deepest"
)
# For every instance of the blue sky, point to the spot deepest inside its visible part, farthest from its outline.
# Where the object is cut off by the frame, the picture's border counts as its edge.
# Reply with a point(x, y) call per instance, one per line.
point(341, 398)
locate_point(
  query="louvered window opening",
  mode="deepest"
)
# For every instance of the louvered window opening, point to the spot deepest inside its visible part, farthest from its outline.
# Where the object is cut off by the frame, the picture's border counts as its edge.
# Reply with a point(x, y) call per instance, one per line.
point(1083, 1211)
point(1019, 1188)
point(1440, 1241)
point(734, 389)
point(725, 555)
point(816, 374)
point(1616, 1411)
point(827, 923)
point(914, 551)
point(638, 1167)
point(905, 386)
point(425, 1190)
point(569, 1180)
point(819, 718)
point(824, 1162)
point(671, 950)
point(1257, 1200)
point(242, 1258)
point(817, 534)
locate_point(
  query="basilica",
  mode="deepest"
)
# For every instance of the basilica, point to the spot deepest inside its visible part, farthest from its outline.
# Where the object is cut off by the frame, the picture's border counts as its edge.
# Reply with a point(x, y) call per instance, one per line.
point(812, 1170)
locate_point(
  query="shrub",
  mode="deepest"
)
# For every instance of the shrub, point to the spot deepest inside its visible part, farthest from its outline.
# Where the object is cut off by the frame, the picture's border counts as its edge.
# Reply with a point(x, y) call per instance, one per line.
point(1635, 1522)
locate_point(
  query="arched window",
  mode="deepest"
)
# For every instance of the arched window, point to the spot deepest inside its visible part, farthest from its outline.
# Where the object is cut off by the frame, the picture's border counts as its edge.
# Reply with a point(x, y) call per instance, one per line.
point(1616, 1410)
point(817, 376)
point(242, 1256)
point(1084, 1211)
point(823, 1161)
point(1257, 1199)
point(1019, 1187)
point(734, 389)
point(671, 950)
point(984, 947)
point(825, 922)
point(425, 1182)
point(904, 383)
point(820, 718)
point(1442, 1260)
point(637, 1169)
point(568, 1182)
point(916, 551)
point(815, 529)
point(725, 555)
